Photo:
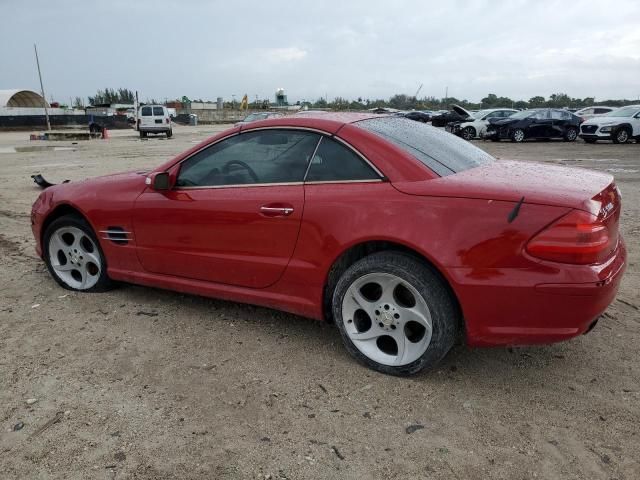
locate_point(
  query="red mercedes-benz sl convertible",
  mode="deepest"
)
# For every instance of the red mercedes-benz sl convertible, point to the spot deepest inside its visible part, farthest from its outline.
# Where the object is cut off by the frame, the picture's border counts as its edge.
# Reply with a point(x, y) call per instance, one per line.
point(407, 237)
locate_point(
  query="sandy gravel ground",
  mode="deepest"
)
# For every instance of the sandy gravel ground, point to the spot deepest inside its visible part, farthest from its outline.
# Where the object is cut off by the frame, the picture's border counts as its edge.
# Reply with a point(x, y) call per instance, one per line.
point(148, 384)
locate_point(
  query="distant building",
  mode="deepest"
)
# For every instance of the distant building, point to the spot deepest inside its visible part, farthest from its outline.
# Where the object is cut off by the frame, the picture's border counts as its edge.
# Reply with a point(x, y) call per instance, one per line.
point(21, 99)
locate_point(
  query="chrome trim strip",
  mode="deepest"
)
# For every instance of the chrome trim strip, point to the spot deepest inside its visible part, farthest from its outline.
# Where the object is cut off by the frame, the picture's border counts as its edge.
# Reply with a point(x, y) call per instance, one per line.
point(115, 231)
point(246, 185)
point(288, 127)
point(317, 182)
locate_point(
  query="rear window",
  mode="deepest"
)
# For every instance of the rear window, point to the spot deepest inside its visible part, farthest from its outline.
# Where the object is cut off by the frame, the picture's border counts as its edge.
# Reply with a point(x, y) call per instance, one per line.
point(146, 111)
point(442, 152)
point(158, 111)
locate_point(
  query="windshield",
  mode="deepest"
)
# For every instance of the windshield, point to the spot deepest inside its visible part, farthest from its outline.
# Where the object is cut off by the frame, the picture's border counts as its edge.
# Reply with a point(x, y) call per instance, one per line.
point(442, 152)
point(623, 112)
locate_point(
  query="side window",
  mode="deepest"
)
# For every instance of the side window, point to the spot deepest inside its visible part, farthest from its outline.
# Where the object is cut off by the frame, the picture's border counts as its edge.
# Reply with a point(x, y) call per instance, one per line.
point(335, 162)
point(557, 115)
point(158, 111)
point(601, 110)
point(495, 114)
point(567, 116)
point(146, 111)
point(265, 156)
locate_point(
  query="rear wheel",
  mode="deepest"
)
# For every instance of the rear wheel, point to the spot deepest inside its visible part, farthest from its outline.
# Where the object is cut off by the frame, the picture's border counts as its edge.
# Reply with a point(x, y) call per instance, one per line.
point(395, 314)
point(570, 135)
point(73, 255)
point(620, 136)
point(143, 134)
point(169, 133)
point(469, 133)
point(517, 135)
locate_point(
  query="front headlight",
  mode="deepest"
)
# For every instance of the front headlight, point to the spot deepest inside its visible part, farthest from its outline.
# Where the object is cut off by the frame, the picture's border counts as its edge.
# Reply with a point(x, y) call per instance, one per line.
point(606, 129)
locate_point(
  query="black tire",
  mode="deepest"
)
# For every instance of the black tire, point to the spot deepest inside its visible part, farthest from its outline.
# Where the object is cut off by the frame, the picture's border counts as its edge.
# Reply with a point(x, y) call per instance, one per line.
point(445, 316)
point(469, 133)
point(143, 134)
point(570, 135)
point(621, 135)
point(517, 135)
point(590, 140)
point(104, 283)
point(169, 133)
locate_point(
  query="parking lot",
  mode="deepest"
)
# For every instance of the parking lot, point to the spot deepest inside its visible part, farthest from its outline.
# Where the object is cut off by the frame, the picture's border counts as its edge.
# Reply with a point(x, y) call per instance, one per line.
point(149, 384)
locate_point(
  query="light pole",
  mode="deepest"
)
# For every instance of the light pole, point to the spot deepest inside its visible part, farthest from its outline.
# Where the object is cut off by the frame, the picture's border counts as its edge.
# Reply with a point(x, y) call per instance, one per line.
point(44, 99)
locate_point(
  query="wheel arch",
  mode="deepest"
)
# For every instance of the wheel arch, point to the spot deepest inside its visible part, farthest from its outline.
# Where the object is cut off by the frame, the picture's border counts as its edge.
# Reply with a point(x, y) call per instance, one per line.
point(362, 249)
point(60, 211)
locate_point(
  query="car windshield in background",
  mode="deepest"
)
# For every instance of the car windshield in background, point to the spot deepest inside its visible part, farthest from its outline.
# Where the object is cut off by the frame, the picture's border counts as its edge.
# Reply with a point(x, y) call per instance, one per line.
point(442, 152)
point(623, 112)
point(255, 116)
point(481, 113)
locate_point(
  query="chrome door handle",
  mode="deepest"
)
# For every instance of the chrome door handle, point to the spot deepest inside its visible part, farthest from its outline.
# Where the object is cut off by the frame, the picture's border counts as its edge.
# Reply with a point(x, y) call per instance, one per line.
point(285, 211)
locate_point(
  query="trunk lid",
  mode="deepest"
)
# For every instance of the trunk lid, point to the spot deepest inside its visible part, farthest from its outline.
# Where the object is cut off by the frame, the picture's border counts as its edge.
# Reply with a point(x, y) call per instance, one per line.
point(538, 183)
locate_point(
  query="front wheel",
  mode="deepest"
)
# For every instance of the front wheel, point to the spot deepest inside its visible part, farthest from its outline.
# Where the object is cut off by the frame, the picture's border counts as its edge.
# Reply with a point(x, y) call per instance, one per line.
point(621, 136)
point(73, 255)
point(570, 135)
point(469, 133)
point(517, 135)
point(395, 314)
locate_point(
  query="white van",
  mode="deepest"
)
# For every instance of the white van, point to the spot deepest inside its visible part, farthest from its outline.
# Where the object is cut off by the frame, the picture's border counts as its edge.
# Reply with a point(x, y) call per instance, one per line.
point(154, 119)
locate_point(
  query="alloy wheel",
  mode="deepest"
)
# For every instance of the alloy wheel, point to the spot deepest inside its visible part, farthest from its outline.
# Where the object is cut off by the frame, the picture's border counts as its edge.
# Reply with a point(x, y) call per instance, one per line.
point(74, 258)
point(387, 319)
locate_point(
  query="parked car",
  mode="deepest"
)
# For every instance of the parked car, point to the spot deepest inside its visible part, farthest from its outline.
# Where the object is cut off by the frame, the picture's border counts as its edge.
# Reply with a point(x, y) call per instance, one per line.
point(254, 117)
point(590, 112)
point(418, 116)
point(477, 123)
point(619, 125)
point(539, 123)
point(154, 119)
point(459, 246)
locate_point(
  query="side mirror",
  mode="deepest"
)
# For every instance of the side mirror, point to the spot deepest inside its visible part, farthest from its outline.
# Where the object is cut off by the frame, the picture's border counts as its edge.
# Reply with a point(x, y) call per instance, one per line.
point(158, 180)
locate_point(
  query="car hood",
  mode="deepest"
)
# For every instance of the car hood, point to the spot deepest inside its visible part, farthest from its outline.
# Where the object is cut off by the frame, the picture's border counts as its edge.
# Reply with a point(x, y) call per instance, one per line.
point(461, 111)
point(605, 120)
point(508, 180)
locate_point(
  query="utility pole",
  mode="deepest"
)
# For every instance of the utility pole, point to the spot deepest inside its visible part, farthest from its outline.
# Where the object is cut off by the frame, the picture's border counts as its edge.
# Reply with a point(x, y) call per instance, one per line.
point(44, 99)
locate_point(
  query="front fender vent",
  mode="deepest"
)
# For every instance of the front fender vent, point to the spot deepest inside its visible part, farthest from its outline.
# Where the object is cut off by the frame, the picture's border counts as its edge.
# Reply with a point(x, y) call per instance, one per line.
point(117, 235)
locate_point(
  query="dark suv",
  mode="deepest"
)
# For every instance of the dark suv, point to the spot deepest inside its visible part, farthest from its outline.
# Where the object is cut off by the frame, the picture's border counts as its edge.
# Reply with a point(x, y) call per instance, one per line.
point(537, 123)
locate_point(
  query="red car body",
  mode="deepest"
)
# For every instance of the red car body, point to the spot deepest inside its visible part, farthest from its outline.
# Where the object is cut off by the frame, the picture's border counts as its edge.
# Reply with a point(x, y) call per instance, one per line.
point(216, 242)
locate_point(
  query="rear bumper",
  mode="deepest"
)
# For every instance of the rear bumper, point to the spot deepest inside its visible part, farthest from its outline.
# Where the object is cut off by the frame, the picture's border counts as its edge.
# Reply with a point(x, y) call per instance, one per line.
point(159, 128)
point(525, 307)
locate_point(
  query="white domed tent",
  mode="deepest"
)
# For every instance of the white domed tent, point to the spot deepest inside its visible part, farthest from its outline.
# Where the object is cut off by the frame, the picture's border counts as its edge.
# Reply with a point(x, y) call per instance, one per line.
point(21, 98)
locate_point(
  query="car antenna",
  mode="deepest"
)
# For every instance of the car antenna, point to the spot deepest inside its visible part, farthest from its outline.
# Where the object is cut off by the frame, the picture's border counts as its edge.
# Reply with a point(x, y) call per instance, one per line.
point(514, 213)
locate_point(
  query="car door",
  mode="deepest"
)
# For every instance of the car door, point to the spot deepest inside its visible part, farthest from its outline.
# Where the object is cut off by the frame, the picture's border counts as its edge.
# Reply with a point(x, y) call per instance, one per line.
point(146, 116)
point(234, 213)
point(559, 123)
point(541, 125)
point(635, 124)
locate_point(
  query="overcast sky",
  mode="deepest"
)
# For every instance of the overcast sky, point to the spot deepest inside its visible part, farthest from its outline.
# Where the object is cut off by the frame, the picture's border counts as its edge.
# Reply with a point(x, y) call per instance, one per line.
point(205, 49)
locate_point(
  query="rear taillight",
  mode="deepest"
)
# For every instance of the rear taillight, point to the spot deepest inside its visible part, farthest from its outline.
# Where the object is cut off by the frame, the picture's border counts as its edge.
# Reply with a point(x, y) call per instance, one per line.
point(578, 237)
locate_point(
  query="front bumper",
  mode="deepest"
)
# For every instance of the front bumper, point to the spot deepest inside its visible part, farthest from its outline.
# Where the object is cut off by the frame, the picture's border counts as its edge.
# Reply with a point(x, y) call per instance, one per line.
point(594, 136)
point(539, 306)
